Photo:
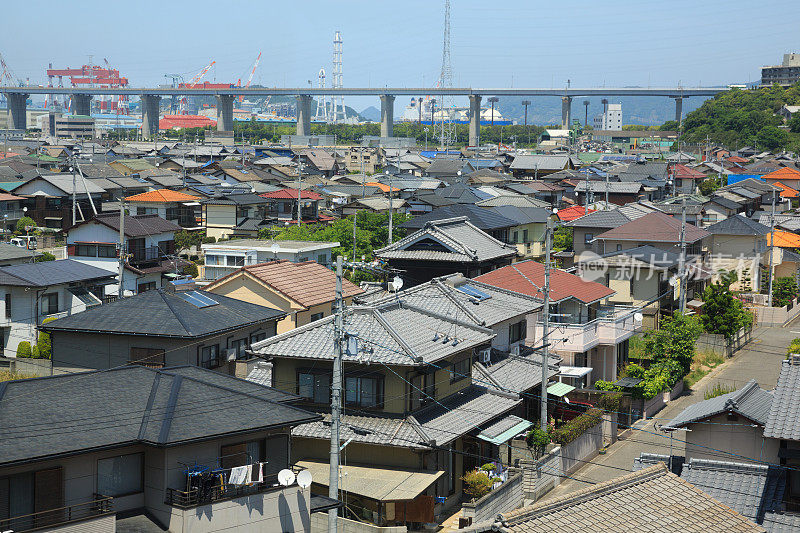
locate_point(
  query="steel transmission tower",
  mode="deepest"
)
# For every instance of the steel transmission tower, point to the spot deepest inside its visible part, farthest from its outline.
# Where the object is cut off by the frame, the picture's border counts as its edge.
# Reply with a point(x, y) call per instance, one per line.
point(447, 135)
point(322, 105)
point(338, 112)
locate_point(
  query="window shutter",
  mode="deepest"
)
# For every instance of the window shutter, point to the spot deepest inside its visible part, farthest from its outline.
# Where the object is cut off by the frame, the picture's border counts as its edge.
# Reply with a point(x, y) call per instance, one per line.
point(48, 493)
point(277, 454)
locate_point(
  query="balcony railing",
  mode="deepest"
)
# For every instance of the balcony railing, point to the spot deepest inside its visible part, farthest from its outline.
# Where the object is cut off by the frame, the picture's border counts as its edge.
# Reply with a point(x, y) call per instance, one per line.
point(11, 214)
point(144, 255)
point(55, 517)
point(217, 493)
point(613, 326)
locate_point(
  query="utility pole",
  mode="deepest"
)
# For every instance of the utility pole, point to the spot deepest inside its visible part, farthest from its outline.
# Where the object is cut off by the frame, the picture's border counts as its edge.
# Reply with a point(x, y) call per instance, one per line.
point(299, 191)
point(606, 190)
point(74, 197)
point(121, 290)
point(586, 198)
point(682, 260)
point(771, 248)
point(546, 326)
point(336, 402)
point(390, 201)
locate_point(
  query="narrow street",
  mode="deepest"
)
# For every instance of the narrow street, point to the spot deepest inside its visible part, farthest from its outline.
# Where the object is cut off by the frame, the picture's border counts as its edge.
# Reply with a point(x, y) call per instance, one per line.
point(759, 360)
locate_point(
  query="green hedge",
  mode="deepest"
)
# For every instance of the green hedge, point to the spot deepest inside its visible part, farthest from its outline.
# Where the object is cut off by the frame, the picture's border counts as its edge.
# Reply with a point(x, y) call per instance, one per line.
point(610, 402)
point(658, 378)
point(577, 426)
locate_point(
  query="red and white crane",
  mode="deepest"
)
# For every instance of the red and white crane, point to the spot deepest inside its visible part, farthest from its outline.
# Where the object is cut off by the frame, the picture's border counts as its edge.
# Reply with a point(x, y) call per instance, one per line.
point(194, 81)
point(250, 78)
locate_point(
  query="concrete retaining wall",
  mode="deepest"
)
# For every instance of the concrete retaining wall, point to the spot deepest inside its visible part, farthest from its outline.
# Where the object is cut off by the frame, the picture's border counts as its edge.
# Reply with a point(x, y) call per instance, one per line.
point(718, 344)
point(33, 367)
point(574, 454)
point(541, 476)
point(319, 524)
point(776, 316)
point(504, 498)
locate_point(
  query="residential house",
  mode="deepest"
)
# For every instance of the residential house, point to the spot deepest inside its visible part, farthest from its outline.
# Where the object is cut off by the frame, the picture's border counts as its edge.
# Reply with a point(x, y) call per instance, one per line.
point(181, 208)
point(374, 204)
point(783, 425)
point(657, 229)
point(734, 421)
point(142, 449)
point(162, 327)
point(283, 204)
point(541, 190)
point(149, 247)
point(34, 292)
point(651, 499)
point(685, 179)
point(445, 247)
point(535, 166)
point(568, 214)
point(10, 211)
point(411, 405)
point(224, 258)
point(424, 203)
point(317, 161)
point(587, 227)
point(785, 175)
point(619, 193)
point(450, 170)
point(363, 159)
point(48, 199)
point(738, 244)
point(304, 291)
point(131, 166)
point(233, 214)
point(528, 230)
point(15, 255)
point(485, 219)
point(592, 338)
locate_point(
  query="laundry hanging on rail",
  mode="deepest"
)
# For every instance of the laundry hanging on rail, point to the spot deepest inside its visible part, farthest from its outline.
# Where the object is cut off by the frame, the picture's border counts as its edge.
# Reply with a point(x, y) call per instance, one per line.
point(239, 475)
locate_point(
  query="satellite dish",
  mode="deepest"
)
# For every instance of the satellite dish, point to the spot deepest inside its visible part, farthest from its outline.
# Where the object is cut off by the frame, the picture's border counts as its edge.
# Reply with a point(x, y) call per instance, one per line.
point(304, 479)
point(285, 477)
point(397, 283)
point(637, 317)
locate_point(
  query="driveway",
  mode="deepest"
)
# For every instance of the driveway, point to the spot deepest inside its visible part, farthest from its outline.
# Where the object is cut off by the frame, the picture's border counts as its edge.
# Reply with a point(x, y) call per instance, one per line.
point(759, 360)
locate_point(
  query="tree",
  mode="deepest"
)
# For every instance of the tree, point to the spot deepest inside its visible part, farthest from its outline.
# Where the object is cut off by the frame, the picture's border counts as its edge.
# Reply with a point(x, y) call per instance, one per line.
point(772, 137)
point(23, 223)
point(708, 186)
point(675, 340)
point(784, 290)
point(794, 123)
point(184, 240)
point(562, 238)
point(722, 312)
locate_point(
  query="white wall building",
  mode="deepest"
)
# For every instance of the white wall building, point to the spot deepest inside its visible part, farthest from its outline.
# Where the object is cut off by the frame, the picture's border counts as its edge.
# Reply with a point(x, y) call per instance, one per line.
point(222, 259)
point(612, 118)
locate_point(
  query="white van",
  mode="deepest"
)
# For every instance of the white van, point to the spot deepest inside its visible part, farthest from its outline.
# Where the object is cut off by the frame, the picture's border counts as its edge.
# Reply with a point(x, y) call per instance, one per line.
point(25, 241)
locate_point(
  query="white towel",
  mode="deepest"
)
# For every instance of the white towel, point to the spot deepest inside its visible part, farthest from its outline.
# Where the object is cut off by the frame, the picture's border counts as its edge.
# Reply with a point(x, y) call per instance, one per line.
point(260, 477)
point(239, 475)
point(249, 477)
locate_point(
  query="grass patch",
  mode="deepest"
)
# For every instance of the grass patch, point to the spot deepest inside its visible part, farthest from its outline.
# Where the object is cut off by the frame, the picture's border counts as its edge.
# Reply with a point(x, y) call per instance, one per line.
point(702, 364)
point(8, 375)
point(718, 390)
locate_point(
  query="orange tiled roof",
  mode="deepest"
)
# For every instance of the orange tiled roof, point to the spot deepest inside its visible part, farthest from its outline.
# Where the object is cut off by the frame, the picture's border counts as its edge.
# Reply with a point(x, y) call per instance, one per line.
point(568, 214)
point(786, 191)
point(381, 186)
point(784, 239)
point(163, 196)
point(784, 173)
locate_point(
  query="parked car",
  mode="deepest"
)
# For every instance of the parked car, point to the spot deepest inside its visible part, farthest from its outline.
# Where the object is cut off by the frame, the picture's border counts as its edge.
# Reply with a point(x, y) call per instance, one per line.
point(25, 241)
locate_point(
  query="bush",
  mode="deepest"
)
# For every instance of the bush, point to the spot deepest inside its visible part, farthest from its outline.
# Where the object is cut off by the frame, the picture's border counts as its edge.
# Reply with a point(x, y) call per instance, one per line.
point(538, 439)
point(24, 349)
point(718, 390)
point(794, 347)
point(23, 223)
point(476, 483)
point(45, 256)
point(577, 426)
point(190, 270)
point(209, 240)
point(44, 345)
point(784, 290)
point(610, 402)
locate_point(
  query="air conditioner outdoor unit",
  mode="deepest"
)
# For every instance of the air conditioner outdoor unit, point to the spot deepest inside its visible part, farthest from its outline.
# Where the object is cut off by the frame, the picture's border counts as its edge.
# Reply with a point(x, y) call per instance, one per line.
point(230, 354)
point(485, 356)
point(515, 350)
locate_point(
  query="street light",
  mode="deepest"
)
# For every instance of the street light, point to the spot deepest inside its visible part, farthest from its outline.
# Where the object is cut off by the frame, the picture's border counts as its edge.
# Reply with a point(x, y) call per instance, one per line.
point(526, 103)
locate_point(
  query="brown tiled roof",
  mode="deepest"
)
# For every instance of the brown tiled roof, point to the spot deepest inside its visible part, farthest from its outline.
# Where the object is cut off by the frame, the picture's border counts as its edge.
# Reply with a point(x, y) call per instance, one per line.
point(654, 227)
point(562, 284)
point(308, 283)
point(651, 500)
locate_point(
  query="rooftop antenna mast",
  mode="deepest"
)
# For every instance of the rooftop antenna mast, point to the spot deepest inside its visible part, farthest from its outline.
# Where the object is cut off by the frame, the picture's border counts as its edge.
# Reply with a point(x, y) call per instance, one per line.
point(337, 100)
point(446, 82)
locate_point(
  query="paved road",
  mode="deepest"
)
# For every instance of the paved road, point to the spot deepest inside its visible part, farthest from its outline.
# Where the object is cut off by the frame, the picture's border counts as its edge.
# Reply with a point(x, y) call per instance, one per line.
point(759, 360)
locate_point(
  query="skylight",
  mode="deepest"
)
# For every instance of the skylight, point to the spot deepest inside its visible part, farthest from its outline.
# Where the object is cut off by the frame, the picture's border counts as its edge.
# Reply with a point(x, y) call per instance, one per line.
point(197, 299)
point(472, 291)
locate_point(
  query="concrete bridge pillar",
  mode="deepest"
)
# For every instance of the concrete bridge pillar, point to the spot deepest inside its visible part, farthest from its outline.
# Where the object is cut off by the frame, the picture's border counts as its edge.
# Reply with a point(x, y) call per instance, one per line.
point(151, 105)
point(387, 115)
point(82, 104)
point(225, 112)
point(566, 112)
point(17, 108)
point(304, 114)
point(474, 119)
point(678, 110)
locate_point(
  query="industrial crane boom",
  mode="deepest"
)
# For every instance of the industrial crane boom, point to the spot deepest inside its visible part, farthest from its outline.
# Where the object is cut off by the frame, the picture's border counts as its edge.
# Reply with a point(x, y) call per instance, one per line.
point(250, 78)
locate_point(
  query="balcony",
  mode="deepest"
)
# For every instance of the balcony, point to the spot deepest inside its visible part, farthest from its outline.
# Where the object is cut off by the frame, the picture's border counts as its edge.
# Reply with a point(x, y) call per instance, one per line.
point(144, 255)
point(615, 324)
point(93, 511)
point(195, 497)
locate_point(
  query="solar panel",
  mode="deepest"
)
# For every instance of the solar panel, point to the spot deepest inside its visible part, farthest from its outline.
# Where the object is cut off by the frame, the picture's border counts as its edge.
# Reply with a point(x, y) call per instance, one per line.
point(475, 293)
point(197, 299)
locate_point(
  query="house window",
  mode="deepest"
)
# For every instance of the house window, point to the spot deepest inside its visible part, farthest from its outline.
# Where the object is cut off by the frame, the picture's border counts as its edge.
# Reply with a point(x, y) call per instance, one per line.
point(30, 492)
point(622, 355)
point(212, 260)
point(120, 476)
point(619, 247)
point(524, 235)
point(242, 453)
point(515, 238)
point(106, 250)
point(322, 259)
point(86, 250)
point(421, 390)
point(152, 357)
point(8, 305)
point(587, 238)
point(460, 370)
point(235, 260)
point(149, 286)
point(314, 386)
point(209, 356)
point(317, 316)
point(240, 345)
point(146, 210)
point(364, 391)
point(516, 332)
point(579, 359)
point(50, 303)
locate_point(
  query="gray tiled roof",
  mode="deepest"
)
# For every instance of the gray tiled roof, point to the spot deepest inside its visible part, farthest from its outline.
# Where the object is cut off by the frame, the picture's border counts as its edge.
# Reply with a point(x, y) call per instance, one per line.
point(751, 402)
point(382, 430)
point(517, 200)
point(651, 500)
point(783, 421)
point(50, 273)
point(515, 374)
point(646, 254)
point(162, 313)
point(738, 225)
point(390, 333)
point(464, 242)
point(540, 162)
point(600, 219)
point(138, 405)
point(9, 252)
point(471, 408)
point(522, 215)
point(724, 202)
point(613, 187)
point(135, 225)
point(485, 219)
point(781, 522)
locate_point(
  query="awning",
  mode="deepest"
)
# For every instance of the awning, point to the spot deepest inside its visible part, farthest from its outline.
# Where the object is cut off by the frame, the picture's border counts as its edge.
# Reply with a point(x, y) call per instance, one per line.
point(504, 430)
point(321, 504)
point(559, 389)
point(382, 484)
point(627, 383)
point(573, 371)
point(191, 204)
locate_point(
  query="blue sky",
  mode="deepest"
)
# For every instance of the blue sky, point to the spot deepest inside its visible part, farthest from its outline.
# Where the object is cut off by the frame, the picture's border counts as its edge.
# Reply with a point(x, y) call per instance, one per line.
point(524, 43)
